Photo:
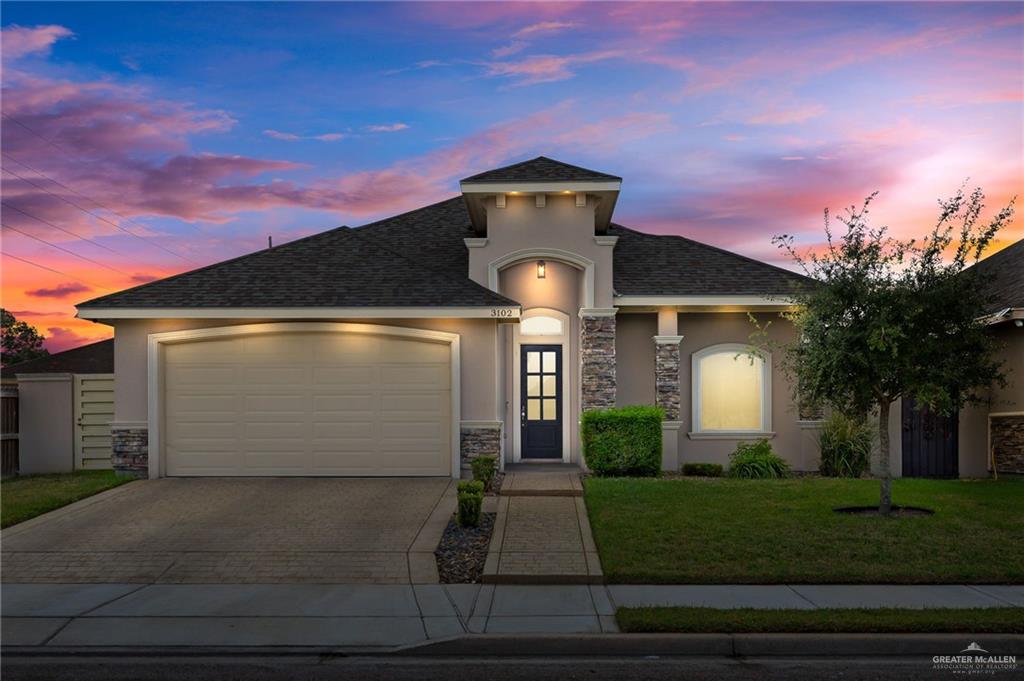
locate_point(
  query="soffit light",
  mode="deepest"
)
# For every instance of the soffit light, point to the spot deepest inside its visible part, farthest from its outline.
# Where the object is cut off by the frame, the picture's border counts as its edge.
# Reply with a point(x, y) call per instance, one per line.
point(541, 269)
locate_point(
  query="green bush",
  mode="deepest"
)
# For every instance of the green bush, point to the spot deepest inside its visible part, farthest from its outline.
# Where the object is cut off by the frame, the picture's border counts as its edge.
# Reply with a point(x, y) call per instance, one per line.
point(845, 444)
point(484, 468)
point(469, 509)
point(470, 487)
point(624, 441)
point(756, 460)
point(707, 470)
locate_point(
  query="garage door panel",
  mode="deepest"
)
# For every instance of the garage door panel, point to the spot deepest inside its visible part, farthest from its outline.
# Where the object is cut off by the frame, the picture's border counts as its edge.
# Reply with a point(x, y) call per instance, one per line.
point(308, 404)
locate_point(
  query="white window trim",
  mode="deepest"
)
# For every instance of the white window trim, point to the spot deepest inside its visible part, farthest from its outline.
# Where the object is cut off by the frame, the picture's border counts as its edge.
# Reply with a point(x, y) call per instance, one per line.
point(155, 370)
point(517, 341)
point(766, 393)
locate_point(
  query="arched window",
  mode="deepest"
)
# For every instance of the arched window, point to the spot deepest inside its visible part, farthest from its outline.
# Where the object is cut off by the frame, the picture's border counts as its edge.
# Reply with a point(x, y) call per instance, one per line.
point(731, 390)
point(540, 326)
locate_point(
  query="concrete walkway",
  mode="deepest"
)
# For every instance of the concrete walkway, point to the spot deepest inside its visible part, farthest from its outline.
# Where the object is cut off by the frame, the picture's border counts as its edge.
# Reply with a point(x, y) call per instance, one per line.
point(381, 616)
point(542, 532)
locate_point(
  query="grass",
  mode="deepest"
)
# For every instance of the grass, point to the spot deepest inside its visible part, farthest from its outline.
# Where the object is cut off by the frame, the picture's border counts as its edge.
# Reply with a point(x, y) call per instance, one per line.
point(28, 496)
point(846, 621)
point(706, 531)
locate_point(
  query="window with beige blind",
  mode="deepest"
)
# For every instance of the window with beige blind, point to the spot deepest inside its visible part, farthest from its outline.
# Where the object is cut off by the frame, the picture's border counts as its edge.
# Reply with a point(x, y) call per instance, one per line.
point(731, 390)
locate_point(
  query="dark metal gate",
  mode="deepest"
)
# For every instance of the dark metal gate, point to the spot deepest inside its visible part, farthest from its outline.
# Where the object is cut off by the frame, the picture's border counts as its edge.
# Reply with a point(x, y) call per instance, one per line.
point(930, 448)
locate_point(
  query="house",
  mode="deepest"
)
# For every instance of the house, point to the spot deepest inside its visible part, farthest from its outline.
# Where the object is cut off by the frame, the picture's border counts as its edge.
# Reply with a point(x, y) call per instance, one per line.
point(65, 405)
point(483, 324)
point(966, 444)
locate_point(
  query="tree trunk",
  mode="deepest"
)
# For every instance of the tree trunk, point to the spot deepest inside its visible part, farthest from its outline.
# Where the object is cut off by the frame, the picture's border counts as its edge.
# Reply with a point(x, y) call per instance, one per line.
point(885, 494)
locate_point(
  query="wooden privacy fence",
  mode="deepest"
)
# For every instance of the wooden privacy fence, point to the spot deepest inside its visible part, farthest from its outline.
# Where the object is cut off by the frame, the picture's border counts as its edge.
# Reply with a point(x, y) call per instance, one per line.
point(9, 430)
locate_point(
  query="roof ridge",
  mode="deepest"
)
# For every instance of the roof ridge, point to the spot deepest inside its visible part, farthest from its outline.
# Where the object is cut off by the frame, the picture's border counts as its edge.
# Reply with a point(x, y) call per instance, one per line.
point(408, 212)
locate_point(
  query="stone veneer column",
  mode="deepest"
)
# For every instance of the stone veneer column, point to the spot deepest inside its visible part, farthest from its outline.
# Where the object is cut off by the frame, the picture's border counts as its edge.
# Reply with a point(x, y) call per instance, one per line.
point(130, 449)
point(667, 385)
point(597, 358)
point(1007, 436)
point(479, 438)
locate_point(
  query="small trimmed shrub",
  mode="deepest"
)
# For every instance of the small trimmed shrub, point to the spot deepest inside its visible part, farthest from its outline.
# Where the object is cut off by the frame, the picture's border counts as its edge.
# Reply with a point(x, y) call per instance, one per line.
point(756, 460)
point(470, 487)
point(468, 514)
point(845, 444)
point(484, 468)
point(707, 470)
point(624, 441)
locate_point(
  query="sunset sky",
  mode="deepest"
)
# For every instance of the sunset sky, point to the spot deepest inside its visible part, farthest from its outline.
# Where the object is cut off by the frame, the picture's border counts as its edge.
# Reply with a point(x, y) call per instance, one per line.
point(140, 140)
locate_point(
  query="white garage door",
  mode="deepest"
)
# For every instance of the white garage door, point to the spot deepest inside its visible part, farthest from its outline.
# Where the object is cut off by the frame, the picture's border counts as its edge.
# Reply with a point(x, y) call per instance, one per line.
point(308, 404)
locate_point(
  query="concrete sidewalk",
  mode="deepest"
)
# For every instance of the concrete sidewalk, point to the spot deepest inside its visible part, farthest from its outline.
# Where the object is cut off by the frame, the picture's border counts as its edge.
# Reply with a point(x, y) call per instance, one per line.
point(362, 616)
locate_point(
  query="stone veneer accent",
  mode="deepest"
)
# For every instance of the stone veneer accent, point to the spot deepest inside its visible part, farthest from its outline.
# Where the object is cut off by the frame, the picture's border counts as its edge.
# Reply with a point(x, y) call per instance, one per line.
point(1008, 443)
point(666, 376)
point(130, 451)
point(597, 359)
point(475, 441)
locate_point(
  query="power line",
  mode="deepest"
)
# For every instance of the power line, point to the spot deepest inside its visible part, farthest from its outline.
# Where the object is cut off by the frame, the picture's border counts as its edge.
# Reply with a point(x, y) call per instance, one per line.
point(95, 215)
point(68, 231)
point(61, 248)
point(50, 269)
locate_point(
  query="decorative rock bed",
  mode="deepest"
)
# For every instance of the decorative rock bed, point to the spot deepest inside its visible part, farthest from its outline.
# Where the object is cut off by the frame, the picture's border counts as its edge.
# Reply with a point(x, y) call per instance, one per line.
point(463, 551)
point(897, 511)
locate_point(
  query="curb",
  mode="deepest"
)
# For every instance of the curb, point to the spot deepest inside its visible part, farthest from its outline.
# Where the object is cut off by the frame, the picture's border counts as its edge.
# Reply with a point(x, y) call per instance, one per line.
point(590, 645)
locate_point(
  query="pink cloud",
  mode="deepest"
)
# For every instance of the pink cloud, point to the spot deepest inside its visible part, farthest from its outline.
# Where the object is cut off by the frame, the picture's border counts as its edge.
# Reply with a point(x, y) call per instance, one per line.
point(543, 27)
point(546, 68)
point(292, 137)
point(514, 47)
point(59, 339)
point(18, 41)
point(393, 127)
point(787, 116)
point(59, 291)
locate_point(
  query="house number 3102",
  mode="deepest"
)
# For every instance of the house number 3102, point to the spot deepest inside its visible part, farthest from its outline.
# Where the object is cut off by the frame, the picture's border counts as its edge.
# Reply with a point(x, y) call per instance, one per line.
point(502, 312)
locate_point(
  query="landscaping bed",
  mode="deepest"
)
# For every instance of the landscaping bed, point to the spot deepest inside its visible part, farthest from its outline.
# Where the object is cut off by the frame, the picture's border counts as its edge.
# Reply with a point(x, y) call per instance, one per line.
point(707, 530)
point(462, 552)
point(28, 496)
point(832, 621)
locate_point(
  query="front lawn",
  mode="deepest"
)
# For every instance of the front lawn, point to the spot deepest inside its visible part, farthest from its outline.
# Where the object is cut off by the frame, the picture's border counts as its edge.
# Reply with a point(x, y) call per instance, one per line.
point(702, 531)
point(844, 621)
point(27, 496)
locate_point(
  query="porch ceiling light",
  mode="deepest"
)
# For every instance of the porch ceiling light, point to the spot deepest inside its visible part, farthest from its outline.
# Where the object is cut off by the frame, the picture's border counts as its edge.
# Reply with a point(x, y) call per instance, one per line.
point(541, 269)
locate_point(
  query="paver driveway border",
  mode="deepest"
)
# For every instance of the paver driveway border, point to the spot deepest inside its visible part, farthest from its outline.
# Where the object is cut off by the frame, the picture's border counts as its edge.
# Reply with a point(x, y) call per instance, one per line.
point(399, 555)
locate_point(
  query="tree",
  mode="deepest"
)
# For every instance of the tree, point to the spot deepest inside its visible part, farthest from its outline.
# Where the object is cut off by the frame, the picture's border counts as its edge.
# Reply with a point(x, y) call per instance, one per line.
point(891, 318)
point(19, 342)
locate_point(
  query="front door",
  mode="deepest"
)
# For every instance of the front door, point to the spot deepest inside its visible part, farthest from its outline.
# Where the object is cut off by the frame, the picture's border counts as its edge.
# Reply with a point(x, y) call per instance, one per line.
point(540, 401)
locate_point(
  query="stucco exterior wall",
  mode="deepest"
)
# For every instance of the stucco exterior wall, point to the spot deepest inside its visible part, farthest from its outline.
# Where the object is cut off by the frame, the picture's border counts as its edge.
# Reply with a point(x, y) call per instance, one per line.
point(46, 427)
point(791, 441)
point(560, 224)
point(634, 348)
point(478, 352)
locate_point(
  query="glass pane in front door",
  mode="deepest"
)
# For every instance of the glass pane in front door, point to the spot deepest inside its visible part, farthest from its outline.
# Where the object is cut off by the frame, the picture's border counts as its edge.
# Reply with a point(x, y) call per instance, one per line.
point(541, 401)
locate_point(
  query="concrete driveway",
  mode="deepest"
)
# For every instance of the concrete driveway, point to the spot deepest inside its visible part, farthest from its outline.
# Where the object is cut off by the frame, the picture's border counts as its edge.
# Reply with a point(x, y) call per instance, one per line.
point(238, 530)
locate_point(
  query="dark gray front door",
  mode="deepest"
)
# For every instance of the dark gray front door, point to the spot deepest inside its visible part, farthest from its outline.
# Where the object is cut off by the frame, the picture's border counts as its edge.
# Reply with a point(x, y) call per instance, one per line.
point(540, 401)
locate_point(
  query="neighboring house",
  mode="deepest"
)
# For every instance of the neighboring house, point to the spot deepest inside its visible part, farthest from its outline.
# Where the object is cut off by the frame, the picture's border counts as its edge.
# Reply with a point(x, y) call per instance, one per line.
point(926, 445)
point(65, 405)
point(483, 324)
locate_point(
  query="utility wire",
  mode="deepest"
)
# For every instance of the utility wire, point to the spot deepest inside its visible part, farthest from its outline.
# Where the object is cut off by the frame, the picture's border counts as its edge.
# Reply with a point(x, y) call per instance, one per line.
point(61, 248)
point(50, 269)
point(67, 231)
point(89, 212)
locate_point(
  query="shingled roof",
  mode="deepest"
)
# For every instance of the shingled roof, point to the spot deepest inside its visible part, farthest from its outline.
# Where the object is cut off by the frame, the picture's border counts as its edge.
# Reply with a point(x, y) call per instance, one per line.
point(1004, 277)
point(340, 268)
point(666, 265)
point(419, 259)
point(542, 169)
point(94, 358)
